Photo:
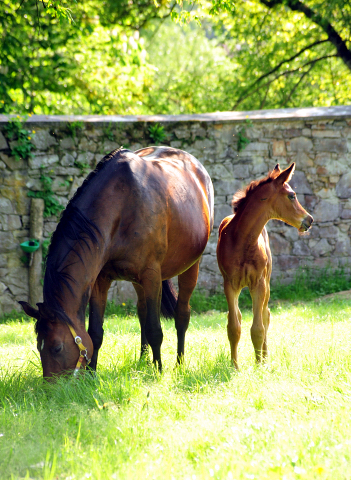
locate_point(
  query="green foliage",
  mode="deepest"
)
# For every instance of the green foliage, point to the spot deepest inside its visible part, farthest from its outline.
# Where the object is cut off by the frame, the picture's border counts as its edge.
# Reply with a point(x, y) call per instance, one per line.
point(17, 133)
point(245, 55)
point(75, 127)
point(52, 206)
point(83, 167)
point(108, 132)
point(243, 141)
point(157, 133)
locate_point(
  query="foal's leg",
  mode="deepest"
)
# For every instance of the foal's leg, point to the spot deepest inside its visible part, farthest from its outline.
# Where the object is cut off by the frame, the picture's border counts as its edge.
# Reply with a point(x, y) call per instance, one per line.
point(266, 316)
point(186, 284)
point(258, 332)
point(234, 320)
point(97, 305)
point(152, 285)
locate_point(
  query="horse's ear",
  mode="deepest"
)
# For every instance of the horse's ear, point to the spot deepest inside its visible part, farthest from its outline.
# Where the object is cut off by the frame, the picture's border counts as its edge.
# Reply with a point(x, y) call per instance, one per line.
point(29, 310)
point(285, 175)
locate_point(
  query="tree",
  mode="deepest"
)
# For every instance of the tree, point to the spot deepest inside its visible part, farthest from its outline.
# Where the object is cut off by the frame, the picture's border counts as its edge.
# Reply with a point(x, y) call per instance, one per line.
point(89, 65)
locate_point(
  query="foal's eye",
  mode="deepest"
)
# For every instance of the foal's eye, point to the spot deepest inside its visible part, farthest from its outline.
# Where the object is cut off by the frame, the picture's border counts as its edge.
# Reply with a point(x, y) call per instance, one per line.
point(292, 196)
point(57, 349)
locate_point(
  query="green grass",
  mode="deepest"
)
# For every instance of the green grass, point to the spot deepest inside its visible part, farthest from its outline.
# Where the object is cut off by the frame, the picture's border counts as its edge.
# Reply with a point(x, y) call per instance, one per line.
point(287, 420)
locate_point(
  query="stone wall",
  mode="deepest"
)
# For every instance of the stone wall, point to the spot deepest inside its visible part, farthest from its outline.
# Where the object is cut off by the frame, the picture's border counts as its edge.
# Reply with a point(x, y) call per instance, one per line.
point(67, 148)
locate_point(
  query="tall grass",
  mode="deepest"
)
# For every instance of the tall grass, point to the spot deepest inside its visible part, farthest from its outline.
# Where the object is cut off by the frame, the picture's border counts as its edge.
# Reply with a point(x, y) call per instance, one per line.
point(286, 420)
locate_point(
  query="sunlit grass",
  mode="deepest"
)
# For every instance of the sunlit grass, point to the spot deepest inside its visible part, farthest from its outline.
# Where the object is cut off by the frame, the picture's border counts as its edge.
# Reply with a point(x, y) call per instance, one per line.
point(289, 419)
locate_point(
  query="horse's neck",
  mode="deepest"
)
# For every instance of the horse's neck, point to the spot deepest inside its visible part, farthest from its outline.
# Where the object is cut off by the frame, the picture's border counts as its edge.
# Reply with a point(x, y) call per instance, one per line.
point(81, 278)
point(248, 224)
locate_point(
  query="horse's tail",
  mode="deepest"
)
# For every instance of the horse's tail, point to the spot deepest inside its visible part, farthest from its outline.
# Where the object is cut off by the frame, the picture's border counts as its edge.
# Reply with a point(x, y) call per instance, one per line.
point(169, 299)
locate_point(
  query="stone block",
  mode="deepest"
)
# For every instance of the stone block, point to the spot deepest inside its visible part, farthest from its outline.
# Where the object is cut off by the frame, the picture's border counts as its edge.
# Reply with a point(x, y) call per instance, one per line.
point(86, 158)
point(343, 187)
point(10, 222)
point(279, 148)
point(3, 142)
point(88, 145)
point(219, 172)
point(6, 205)
point(241, 172)
point(7, 242)
point(8, 304)
point(209, 264)
point(67, 160)
point(301, 248)
point(221, 212)
point(260, 147)
point(325, 212)
point(67, 144)
point(322, 248)
point(300, 183)
point(325, 133)
point(43, 161)
point(300, 144)
point(13, 164)
point(226, 187)
point(331, 145)
point(43, 140)
point(279, 245)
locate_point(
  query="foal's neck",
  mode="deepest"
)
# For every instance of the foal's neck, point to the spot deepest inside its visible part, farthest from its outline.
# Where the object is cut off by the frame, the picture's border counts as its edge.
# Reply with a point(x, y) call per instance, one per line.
point(249, 222)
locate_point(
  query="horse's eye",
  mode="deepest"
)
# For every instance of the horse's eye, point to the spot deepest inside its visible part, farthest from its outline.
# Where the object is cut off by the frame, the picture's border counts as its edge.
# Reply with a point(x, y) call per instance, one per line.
point(57, 349)
point(292, 196)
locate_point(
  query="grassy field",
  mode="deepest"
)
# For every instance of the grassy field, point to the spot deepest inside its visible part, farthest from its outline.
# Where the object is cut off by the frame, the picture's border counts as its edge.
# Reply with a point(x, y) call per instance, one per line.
point(290, 419)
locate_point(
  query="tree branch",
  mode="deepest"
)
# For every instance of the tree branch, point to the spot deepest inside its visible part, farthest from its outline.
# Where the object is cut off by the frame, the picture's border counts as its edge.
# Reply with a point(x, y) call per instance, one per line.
point(277, 67)
point(284, 74)
point(343, 52)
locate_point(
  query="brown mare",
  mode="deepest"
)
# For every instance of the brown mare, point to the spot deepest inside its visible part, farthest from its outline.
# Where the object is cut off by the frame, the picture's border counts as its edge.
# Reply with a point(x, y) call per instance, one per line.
point(143, 217)
point(243, 253)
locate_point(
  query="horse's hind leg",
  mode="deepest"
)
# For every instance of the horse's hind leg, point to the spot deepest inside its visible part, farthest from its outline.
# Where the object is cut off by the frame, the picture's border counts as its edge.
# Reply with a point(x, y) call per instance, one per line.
point(234, 320)
point(151, 284)
point(186, 284)
point(142, 310)
point(97, 305)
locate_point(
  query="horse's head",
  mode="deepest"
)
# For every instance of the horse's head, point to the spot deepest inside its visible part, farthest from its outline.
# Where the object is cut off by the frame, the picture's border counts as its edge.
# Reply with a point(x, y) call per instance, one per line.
point(283, 201)
point(60, 348)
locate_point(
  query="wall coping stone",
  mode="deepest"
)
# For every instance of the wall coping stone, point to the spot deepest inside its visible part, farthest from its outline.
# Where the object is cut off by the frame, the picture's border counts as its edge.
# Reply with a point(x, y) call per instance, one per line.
point(313, 113)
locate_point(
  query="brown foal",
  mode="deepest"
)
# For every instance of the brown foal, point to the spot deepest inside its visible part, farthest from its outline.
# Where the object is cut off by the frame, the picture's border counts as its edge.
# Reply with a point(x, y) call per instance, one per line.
point(244, 255)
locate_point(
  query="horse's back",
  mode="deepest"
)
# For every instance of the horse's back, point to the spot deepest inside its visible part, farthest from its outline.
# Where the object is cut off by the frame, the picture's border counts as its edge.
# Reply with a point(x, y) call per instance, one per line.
point(157, 207)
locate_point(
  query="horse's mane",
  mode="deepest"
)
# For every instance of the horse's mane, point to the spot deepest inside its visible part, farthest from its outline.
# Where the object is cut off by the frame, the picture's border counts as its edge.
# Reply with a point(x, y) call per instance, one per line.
point(73, 226)
point(241, 197)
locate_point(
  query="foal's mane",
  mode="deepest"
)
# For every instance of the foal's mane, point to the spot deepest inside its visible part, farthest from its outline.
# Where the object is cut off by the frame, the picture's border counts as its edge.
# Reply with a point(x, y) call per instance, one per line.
point(241, 197)
point(74, 226)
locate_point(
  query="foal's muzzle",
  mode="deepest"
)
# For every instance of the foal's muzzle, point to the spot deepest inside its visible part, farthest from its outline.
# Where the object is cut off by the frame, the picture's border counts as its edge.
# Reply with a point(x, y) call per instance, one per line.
point(306, 224)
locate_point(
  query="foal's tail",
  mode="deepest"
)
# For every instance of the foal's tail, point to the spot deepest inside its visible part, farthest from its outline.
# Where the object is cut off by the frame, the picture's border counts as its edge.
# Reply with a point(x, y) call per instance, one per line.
point(169, 299)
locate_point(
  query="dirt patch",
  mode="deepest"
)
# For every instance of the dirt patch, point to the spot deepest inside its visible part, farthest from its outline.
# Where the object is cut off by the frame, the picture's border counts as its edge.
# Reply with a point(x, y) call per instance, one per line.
point(345, 295)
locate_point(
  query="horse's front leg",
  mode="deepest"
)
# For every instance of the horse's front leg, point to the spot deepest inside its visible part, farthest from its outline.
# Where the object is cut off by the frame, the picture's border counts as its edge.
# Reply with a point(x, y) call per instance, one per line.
point(258, 330)
point(97, 305)
point(151, 283)
point(234, 320)
point(186, 284)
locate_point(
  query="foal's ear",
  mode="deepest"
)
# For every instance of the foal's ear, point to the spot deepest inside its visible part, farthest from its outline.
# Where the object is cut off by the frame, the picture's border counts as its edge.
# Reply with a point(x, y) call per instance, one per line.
point(285, 175)
point(29, 310)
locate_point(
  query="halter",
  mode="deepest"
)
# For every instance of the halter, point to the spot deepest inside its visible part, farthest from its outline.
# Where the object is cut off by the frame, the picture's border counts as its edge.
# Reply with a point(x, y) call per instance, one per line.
point(83, 352)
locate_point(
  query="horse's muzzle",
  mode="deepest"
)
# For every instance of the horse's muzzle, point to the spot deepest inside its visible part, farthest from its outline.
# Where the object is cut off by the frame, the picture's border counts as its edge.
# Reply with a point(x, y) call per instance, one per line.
point(306, 224)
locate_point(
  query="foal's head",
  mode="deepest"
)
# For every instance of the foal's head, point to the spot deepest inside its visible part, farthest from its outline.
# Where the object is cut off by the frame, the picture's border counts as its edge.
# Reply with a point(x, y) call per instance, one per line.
point(277, 197)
